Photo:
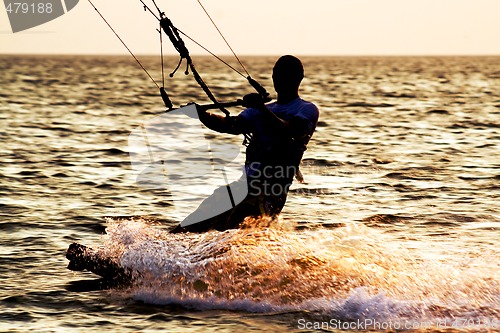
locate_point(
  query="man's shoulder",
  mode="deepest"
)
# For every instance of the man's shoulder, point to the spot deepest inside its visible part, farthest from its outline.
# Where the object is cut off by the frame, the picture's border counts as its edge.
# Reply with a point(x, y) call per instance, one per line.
point(307, 110)
point(309, 105)
point(294, 106)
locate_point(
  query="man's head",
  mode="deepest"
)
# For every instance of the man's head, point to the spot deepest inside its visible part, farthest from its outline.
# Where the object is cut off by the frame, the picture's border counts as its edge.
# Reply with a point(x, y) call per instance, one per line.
point(288, 72)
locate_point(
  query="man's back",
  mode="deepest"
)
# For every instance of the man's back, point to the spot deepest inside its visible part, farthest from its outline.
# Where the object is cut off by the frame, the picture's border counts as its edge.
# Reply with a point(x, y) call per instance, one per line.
point(270, 148)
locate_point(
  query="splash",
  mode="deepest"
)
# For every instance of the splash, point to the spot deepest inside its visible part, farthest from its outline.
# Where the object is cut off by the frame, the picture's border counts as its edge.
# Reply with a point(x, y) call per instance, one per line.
point(350, 272)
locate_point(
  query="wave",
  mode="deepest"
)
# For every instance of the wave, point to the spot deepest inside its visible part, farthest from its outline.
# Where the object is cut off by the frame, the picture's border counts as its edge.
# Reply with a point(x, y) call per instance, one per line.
point(351, 272)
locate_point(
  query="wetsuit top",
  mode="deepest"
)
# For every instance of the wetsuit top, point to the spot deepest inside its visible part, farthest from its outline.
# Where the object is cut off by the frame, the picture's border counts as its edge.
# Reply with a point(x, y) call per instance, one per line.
point(269, 152)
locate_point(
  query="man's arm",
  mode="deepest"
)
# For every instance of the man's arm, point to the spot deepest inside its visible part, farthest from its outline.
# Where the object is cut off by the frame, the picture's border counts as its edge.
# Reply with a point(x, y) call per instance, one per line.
point(230, 125)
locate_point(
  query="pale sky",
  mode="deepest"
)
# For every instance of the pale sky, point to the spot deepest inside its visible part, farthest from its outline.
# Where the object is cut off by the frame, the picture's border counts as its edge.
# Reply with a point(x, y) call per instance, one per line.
point(273, 27)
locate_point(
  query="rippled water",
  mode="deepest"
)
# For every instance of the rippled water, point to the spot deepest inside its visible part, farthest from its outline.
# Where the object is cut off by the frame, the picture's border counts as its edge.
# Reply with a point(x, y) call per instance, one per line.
point(398, 220)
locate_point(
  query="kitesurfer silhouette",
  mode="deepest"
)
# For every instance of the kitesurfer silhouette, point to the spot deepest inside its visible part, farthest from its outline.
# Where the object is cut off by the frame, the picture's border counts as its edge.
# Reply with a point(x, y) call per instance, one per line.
point(276, 136)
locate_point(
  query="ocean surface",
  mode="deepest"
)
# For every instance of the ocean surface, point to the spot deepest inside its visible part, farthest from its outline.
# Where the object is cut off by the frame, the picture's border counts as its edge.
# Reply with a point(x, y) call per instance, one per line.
point(397, 226)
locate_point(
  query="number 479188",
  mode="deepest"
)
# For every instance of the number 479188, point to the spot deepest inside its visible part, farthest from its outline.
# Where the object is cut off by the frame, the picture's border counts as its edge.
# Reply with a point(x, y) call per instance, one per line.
point(26, 8)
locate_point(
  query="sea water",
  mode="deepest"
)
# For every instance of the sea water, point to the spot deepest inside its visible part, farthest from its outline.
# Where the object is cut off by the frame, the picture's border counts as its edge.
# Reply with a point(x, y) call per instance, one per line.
point(396, 226)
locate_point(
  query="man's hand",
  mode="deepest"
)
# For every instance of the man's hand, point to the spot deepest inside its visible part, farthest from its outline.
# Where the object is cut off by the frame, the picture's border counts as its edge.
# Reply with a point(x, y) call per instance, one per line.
point(253, 101)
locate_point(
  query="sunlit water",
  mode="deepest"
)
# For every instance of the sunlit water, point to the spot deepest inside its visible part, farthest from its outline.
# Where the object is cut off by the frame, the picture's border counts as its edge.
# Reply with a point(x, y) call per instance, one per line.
point(397, 223)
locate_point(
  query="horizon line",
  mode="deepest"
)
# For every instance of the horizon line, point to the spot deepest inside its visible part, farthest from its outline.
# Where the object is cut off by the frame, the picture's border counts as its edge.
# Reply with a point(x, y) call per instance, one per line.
point(255, 55)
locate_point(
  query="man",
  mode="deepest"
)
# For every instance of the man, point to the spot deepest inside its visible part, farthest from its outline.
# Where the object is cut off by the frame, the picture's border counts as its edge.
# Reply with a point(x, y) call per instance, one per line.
point(276, 135)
